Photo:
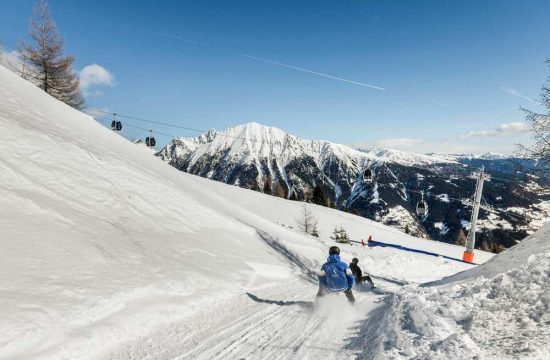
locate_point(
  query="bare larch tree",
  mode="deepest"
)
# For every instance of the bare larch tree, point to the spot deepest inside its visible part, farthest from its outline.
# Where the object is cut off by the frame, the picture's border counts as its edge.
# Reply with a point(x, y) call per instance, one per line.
point(46, 66)
point(540, 129)
point(308, 222)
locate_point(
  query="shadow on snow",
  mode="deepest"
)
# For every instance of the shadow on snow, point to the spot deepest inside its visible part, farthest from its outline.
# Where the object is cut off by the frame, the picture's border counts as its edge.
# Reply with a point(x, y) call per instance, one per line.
point(304, 304)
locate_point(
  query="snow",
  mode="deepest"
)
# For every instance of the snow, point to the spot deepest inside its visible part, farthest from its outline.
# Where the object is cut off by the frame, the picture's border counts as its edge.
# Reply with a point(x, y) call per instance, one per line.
point(511, 259)
point(466, 224)
point(536, 217)
point(493, 221)
point(484, 156)
point(252, 141)
point(443, 197)
point(375, 195)
point(407, 158)
point(443, 228)
point(498, 310)
point(110, 253)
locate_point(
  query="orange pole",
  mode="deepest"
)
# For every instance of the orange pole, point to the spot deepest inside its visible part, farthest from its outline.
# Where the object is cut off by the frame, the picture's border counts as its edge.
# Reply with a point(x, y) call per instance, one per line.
point(468, 256)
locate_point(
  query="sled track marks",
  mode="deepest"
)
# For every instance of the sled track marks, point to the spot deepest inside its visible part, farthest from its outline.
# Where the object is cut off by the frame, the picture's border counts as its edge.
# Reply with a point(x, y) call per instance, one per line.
point(270, 332)
point(276, 325)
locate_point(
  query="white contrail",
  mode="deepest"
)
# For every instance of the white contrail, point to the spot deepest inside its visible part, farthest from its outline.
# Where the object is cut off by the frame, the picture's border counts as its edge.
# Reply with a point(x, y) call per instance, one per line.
point(267, 61)
point(308, 71)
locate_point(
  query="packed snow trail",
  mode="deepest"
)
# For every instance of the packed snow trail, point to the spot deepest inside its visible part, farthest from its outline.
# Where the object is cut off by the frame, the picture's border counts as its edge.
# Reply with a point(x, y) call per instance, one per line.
point(269, 324)
point(266, 323)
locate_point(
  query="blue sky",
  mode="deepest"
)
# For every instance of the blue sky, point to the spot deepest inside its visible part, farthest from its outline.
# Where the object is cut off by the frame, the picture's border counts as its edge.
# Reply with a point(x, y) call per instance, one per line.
point(454, 73)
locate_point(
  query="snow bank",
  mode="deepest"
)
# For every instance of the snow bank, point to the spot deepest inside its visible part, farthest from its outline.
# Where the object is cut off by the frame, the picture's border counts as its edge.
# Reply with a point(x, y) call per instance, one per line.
point(499, 310)
point(513, 258)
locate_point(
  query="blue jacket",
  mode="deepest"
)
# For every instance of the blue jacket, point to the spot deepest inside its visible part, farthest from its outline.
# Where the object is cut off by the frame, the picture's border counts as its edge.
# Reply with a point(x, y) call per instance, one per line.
point(336, 277)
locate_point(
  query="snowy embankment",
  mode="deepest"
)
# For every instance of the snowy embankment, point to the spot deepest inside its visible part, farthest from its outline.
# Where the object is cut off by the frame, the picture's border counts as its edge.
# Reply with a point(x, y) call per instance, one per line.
point(109, 253)
point(499, 310)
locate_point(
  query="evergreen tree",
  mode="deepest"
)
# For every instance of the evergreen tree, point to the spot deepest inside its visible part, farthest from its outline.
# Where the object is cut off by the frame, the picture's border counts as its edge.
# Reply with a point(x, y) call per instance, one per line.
point(318, 196)
point(267, 185)
point(461, 238)
point(46, 67)
point(485, 246)
point(315, 232)
point(307, 193)
point(280, 190)
point(293, 195)
point(340, 235)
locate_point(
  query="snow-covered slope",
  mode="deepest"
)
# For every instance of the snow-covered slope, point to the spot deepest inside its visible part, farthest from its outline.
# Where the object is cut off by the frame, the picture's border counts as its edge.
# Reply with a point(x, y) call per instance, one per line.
point(109, 253)
point(408, 158)
point(470, 156)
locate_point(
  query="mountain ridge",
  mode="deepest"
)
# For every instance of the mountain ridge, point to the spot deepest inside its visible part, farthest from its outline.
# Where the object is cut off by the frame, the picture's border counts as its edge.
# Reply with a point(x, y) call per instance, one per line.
point(259, 157)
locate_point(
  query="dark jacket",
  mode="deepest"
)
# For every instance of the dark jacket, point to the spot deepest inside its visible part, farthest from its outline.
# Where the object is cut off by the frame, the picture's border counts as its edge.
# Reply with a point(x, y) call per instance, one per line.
point(356, 270)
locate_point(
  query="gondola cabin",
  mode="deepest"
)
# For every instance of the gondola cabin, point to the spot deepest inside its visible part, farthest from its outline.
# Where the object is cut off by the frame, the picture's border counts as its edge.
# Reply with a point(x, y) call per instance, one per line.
point(116, 125)
point(367, 175)
point(150, 141)
point(422, 208)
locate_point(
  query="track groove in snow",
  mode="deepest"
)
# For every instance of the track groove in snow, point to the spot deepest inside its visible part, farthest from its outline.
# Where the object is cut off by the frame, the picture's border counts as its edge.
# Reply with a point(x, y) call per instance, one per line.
point(267, 327)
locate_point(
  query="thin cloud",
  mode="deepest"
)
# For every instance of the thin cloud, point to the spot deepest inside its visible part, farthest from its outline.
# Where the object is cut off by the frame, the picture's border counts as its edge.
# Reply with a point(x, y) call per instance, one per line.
point(477, 142)
point(271, 62)
point(514, 92)
point(400, 143)
point(178, 37)
point(507, 129)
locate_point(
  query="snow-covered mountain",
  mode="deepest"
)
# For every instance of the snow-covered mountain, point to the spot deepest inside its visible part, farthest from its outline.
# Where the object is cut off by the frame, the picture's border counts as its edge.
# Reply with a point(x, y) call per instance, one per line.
point(471, 156)
point(109, 253)
point(252, 155)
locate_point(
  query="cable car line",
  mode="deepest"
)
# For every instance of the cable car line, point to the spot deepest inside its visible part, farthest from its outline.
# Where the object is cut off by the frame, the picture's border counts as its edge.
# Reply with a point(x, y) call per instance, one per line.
point(101, 119)
point(367, 173)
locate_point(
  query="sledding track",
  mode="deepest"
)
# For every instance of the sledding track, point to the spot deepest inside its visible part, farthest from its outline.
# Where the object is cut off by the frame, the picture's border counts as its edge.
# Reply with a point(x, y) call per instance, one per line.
point(263, 333)
point(266, 322)
point(267, 325)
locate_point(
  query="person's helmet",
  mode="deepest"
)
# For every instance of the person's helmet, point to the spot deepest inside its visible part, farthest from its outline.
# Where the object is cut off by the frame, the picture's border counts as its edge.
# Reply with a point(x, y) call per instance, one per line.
point(334, 250)
point(355, 260)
